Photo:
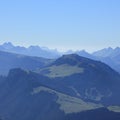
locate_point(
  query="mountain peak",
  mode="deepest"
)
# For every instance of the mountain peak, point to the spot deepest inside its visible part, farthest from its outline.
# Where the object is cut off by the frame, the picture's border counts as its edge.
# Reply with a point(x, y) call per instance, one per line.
point(109, 48)
point(84, 51)
point(70, 59)
point(8, 45)
point(117, 48)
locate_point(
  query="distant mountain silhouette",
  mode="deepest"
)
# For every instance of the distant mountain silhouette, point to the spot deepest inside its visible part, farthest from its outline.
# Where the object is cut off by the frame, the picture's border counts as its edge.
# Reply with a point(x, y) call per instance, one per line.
point(30, 51)
point(109, 56)
point(104, 52)
point(83, 53)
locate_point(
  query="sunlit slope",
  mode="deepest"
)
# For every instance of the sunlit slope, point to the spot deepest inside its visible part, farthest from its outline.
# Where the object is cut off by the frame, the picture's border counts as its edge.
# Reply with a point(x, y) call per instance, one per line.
point(84, 78)
point(22, 96)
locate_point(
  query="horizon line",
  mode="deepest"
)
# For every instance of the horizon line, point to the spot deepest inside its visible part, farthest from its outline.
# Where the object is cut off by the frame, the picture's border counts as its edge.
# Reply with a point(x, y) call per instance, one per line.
point(59, 50)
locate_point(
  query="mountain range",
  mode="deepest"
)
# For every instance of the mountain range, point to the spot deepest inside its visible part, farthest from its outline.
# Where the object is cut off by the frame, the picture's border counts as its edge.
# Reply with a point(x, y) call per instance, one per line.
point(69, 88)
point(30, 51)
point(109, 55)
point(75, 86)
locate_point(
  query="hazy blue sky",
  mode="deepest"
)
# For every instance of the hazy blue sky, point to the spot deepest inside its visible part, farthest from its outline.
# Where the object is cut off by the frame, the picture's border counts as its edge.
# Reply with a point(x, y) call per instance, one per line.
point(62, 24)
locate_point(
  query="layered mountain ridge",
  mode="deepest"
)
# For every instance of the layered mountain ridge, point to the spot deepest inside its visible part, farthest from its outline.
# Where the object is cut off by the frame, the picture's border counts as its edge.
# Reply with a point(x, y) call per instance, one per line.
point(83, 77)
point(70, 87)
point(35, 51)
point(109, 55)
point(27, 95)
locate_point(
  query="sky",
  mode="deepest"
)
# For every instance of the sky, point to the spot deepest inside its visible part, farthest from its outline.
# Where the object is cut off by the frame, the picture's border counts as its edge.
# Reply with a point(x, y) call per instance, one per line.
point(61, 24)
